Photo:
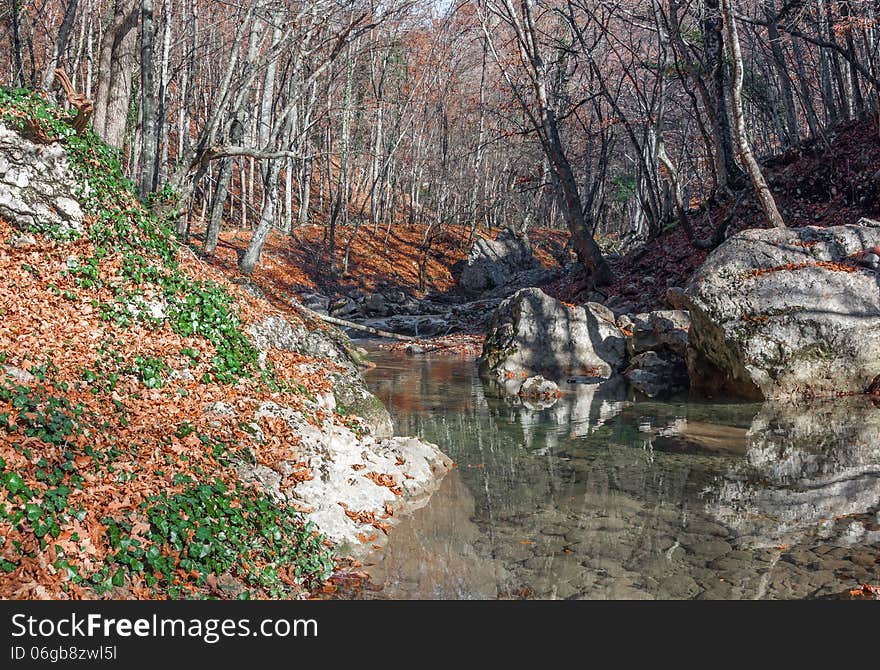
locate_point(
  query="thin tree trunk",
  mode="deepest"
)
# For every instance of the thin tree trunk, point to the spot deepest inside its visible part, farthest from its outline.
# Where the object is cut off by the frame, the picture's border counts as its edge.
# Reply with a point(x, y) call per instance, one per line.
point(762, 191)
point(18, 72)
point(147, 174)
point(267, 219)
point(61, 43)
point(785, 91)
point(212, 235)
point(729, 173)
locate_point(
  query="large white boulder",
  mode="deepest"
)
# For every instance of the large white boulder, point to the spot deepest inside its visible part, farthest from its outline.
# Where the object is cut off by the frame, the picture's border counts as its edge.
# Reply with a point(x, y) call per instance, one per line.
point(38, 189)
point(533, 334)
point(787, 313)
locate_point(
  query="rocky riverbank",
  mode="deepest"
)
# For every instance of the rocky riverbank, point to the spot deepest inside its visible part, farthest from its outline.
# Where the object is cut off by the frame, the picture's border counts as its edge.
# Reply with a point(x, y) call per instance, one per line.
point(165, 431)
point(771, 314)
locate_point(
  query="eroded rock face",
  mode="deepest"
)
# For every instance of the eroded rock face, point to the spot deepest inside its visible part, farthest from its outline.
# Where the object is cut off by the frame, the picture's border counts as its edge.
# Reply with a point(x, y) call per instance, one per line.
point(369, 477)
point(38, 191)
point(350, 391)
point(533, 334)
point(786, 312)
point(657, 342)
point(493, 263)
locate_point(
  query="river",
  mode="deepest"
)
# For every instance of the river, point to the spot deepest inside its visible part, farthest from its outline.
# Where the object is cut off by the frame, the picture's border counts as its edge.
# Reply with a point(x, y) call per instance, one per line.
point(604, 496)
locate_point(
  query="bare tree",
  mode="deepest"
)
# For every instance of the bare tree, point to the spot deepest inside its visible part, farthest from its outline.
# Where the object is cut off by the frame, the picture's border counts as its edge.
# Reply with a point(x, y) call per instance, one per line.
point(762, 190)
point(544, 120)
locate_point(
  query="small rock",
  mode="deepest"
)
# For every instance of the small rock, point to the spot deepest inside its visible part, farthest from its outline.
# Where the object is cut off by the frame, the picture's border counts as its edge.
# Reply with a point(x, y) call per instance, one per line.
point(870, 260)
point(413, 349)
point(22, 241)
point(619, 305)
point(602, 311)
point(18, 374)
point(396, 297)
point(539, 388)
point(374, 305)
point(676, 297)
point(182, 374)
point(221, 408)
point(315, 302)
point(343, 307)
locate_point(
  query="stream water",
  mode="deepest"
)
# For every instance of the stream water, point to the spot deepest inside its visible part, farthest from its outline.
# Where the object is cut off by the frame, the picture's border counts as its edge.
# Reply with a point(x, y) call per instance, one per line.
point(604, 496)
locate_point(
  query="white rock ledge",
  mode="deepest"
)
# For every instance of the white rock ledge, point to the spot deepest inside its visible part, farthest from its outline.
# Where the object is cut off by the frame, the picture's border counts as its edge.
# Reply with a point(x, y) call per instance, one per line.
point(369, 477)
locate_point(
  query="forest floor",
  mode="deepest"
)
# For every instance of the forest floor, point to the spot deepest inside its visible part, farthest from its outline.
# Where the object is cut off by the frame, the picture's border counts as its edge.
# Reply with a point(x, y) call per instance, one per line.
point(379, 259)
point(125, 369)
point(829, 181)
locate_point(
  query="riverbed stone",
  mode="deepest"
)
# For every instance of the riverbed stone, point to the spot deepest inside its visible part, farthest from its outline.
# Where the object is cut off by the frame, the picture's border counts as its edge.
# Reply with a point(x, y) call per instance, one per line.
point(316, 302)
point(375, 305)
point(538, 388)
point(343, 307)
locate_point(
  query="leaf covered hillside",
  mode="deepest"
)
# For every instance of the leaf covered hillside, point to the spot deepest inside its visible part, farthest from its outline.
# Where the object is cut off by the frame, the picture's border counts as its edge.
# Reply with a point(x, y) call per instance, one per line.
point(120, 354)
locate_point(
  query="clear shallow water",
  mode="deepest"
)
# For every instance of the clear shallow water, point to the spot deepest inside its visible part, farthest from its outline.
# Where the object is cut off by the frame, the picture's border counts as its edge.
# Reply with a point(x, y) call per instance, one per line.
point(601, 496)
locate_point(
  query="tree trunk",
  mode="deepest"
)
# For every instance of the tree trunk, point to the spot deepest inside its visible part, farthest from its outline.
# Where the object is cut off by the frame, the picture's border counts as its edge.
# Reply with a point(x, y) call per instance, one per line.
point(588, 252)
point(147, 173)
point(212, 234)
point(251, 256)
point(61, 43)
point(762, 191)
point(18, 74)
point(793, 134)
point(117, 61)
point(729, 173)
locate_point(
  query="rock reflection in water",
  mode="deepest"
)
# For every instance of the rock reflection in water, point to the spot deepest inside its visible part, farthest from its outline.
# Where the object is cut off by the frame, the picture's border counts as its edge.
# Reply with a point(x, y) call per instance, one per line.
point(805, 468)
point(603, 497)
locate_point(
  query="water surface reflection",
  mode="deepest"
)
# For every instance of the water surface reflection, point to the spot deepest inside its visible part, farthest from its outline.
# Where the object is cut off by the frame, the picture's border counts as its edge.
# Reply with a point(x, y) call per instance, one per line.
point(601, 496)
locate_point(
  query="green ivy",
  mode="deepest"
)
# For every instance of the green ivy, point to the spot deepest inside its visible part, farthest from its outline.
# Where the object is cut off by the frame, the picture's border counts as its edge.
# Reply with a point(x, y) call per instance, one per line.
point(211, 529)
point(148, 244)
